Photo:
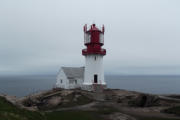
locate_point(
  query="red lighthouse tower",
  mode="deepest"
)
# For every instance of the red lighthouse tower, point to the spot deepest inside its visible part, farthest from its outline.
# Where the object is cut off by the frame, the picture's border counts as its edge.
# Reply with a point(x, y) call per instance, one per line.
point(94, 72)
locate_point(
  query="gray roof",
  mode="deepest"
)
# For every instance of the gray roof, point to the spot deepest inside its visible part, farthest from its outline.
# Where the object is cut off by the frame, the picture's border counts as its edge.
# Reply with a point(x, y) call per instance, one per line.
point(74, 72)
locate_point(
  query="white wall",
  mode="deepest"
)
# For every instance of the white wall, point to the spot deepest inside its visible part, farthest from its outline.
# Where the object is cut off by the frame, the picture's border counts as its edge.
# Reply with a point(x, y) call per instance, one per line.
point(65, 81)
point(78, 85)
point(93, 66)
point(61, 76)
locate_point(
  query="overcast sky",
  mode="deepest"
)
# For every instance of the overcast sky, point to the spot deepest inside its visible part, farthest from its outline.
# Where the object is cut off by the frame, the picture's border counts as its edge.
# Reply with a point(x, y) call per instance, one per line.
point(40, 36)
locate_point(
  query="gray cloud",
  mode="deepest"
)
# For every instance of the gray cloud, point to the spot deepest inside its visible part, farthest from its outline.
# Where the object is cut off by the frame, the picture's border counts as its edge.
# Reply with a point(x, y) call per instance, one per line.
point(142, 37)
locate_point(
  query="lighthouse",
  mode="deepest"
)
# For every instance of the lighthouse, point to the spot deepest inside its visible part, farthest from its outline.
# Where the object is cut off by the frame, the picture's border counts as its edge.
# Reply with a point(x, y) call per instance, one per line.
point(94, 72)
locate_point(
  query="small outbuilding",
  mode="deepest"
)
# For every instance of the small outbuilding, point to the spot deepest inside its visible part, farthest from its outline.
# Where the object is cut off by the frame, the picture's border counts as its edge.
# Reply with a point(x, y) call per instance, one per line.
point(70, 77)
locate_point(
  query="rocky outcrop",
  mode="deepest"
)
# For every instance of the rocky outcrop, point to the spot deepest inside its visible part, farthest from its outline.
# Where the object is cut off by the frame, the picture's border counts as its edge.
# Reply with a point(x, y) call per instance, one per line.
point(145, 100)
point(57, 99)
point(113, 104)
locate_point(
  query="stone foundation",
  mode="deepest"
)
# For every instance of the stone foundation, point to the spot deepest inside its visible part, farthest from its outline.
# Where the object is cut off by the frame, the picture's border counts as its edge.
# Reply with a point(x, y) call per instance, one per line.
point(94, 87)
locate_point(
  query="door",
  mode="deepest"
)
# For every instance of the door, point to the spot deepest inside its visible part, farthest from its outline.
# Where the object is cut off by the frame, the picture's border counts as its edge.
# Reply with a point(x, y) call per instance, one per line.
point(95, 78)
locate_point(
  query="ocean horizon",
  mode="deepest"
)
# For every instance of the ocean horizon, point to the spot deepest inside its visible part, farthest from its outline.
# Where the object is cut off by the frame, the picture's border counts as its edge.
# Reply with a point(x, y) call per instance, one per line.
point(23, 85)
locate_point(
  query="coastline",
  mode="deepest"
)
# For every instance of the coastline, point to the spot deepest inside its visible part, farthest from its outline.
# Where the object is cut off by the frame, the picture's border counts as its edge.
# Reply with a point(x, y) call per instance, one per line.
point(129, 105)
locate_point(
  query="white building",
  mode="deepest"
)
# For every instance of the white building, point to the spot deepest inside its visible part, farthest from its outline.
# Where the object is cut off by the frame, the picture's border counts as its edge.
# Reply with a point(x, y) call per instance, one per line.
point(70, 77)
point(92, 76)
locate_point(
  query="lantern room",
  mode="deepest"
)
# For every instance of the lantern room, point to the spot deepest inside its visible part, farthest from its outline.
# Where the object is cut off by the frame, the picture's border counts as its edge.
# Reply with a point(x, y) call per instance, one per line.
point(93, 39)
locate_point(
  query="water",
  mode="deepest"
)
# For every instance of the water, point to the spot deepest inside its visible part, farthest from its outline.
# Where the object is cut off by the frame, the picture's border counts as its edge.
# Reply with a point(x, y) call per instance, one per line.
point(25, 85)
point(147, 84)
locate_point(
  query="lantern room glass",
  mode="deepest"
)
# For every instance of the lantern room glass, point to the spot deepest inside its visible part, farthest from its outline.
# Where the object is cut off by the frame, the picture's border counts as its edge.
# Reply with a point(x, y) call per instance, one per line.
point(87, 38)
point(101, 38)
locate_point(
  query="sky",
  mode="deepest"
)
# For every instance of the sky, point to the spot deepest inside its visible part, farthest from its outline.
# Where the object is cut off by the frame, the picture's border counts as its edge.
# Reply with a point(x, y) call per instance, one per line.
point(40, 36)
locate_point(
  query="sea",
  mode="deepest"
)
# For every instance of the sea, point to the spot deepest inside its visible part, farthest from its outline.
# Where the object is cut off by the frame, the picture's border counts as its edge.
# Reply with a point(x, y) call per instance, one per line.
point(29, 84)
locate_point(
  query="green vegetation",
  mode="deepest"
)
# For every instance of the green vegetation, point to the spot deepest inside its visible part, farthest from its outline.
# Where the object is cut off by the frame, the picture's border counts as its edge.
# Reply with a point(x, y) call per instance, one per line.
point(153, 118)
point(105, 110)
point(73, 115)
point(11, 112)
point(81, 115)
point(173, 110)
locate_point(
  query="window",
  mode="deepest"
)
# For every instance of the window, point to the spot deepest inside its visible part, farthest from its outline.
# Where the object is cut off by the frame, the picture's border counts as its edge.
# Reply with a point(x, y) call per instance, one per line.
point(87, 38)
point(75, 81)
point(101, 38)
point(95, 58)
point(61, 81)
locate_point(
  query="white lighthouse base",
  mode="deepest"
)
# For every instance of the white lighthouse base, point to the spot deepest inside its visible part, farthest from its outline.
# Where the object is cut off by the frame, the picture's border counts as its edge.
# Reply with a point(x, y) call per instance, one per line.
point(94, 72)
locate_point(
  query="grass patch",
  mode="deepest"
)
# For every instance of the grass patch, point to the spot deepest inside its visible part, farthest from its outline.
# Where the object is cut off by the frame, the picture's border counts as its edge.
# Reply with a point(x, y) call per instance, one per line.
point(10, 112)
point(73, 115)
point(154, 118)
point(173, 110)
point(106, 110)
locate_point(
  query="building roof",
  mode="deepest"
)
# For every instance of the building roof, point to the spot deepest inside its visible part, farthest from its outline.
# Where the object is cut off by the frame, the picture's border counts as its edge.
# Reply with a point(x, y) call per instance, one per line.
point(74, 72)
